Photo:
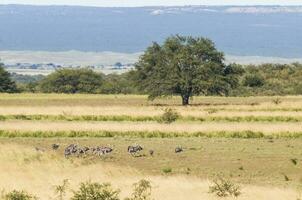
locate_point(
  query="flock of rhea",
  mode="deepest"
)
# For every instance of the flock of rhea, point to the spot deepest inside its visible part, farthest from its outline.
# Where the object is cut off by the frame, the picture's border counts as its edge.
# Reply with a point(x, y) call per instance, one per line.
point(76, 150)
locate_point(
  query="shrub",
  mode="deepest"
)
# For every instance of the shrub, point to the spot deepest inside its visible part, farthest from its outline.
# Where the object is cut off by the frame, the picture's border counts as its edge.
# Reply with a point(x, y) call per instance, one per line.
point(142, 191)
point(167, 170)
point(169, 116)
point(212, 110)
point(224, 188)
point(19, 195)
point(95, 191)
point(277, 101)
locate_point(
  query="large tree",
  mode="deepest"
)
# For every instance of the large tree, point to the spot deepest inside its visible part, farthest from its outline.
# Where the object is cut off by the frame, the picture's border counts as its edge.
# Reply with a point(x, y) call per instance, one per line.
point(72, 81)
point(6, 84)
point(185, 66)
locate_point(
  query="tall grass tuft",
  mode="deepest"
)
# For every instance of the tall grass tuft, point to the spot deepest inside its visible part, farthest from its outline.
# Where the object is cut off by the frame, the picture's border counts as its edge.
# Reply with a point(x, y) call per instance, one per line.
point(60, 190)
point(142, 191)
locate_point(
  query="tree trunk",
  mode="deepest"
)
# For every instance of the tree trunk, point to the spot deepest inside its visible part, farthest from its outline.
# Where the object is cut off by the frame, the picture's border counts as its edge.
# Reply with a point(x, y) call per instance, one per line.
point(185, 100)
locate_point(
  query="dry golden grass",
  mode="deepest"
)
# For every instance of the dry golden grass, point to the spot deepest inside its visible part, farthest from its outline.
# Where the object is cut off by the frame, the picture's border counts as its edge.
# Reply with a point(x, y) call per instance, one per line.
point(264, 162)
point(22, 167)
point(136, 100)
point(268, 128)
point(137, 105)
point(196, 111)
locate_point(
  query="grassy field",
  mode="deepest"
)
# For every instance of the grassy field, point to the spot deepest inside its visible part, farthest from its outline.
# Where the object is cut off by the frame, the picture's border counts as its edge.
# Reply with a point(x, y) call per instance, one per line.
point(254, 141)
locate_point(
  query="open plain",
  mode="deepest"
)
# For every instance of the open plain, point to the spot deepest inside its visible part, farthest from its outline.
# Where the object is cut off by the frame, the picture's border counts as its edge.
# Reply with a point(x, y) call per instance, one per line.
point(254, 141)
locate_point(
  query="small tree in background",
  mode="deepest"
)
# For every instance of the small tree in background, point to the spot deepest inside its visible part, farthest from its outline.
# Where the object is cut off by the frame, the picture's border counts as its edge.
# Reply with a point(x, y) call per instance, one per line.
point(6, 84)
point(185, 66)
point(72, 81)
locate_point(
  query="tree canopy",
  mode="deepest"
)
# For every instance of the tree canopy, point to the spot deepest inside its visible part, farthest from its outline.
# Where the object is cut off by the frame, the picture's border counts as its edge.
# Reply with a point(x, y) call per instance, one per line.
point(72, 81)
point(6, 84)
point(185, 66)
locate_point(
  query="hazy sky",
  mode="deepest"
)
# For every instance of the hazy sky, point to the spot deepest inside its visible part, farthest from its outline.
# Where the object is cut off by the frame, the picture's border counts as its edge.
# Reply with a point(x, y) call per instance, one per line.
point(114, 3)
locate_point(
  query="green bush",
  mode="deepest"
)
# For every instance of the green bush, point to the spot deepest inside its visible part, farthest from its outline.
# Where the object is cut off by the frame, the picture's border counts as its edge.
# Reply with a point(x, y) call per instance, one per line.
point(169, 116)
point(95, 191)
point(167, 170)
point(253, 80)
point(19, 195)
point(224, 188)
point(142, 191)
point(72, 81)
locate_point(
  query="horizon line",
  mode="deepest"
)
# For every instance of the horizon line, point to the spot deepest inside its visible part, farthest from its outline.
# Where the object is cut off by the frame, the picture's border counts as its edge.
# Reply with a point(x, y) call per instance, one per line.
point(150, 6)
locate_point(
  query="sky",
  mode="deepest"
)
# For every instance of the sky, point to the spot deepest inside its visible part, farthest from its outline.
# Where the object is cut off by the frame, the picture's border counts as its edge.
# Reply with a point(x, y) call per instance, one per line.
point(131, 3)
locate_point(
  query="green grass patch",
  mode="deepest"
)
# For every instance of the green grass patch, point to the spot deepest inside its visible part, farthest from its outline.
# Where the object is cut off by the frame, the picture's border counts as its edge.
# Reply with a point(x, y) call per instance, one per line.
point(145, 134)
point(120, 118)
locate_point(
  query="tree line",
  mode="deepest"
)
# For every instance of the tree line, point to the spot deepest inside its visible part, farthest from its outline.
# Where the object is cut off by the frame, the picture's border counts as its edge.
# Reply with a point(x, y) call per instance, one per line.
point(183, 66)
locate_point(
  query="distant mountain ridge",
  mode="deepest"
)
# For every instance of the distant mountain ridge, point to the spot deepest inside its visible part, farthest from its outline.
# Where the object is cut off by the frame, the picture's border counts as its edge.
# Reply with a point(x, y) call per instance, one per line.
point(273, 31)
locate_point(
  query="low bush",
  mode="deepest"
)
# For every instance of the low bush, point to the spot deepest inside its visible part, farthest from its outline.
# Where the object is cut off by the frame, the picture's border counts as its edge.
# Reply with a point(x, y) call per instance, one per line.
point(19, 195)
point(95, 191)
point(224, 188)
point(170, 115)
point(167, 170)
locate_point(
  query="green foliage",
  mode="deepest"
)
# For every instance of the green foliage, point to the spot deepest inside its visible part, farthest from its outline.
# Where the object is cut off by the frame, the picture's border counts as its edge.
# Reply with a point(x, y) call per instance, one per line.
point(72, 81)
point(24, 79)
point(6, 84)
point(147, 134)
point(224, 188)
point(95, 191)
point(280, 79)
point(170, 115)
point(118, 84)
point(253, 80)
point(185, 66)
point(19, 195)
point(142, 191)
point(167, 170)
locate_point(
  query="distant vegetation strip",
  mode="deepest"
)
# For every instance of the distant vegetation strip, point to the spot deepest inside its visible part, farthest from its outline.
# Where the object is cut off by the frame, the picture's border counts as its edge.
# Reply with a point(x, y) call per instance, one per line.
point(120, 118)
point(146, 134)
